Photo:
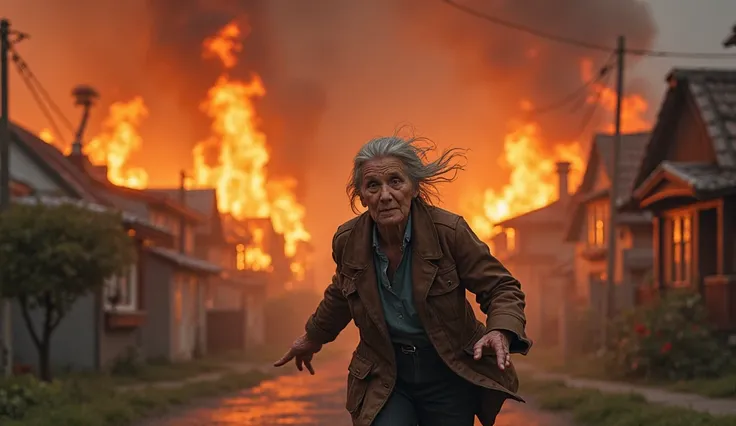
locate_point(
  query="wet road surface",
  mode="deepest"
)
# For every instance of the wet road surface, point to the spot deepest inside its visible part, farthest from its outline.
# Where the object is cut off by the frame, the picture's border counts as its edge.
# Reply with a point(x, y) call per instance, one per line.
point(304, 400)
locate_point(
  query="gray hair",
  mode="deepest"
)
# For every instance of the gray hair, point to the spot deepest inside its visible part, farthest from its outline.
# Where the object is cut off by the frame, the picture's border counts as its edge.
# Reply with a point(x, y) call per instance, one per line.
point(412, 152)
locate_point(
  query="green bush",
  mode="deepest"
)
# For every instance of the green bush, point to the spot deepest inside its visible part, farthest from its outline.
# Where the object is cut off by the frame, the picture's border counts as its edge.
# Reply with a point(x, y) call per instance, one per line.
point(670, 340)
point(18, 395)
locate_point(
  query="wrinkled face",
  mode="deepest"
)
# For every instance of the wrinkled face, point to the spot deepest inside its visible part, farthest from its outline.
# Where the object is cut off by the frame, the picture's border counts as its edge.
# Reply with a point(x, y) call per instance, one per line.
point(386, 191)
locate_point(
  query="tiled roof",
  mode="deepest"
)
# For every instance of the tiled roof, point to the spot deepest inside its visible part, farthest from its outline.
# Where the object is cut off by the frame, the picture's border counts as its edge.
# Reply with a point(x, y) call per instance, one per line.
point(555, 212)
point(185, 261)
point(702, 177)
point(51, 158)
point(128, 218)
point(202, 200)
point(714, 92)
point(631, 152)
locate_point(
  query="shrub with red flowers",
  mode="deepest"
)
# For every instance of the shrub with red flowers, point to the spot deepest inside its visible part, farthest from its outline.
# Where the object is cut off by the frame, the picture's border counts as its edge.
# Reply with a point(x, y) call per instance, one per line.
point(670, 340)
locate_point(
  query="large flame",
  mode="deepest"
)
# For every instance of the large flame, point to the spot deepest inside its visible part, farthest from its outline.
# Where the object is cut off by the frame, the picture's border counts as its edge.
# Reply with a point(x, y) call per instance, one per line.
point(533, 181)
point(114, 146)
point(118, 141)
point(239, 173)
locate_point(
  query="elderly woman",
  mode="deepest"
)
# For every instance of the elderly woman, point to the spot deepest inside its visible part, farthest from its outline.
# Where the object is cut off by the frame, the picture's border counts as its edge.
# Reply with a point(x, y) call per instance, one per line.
point(403, 268)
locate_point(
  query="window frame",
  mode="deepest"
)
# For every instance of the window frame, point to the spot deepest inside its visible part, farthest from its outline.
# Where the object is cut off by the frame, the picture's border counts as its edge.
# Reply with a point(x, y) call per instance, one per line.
point(131, 282)
point(597, 226)
point(679, 248)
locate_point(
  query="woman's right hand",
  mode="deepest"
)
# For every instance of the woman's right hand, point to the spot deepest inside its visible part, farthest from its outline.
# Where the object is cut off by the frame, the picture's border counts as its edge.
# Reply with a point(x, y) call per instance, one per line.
point(302, 351)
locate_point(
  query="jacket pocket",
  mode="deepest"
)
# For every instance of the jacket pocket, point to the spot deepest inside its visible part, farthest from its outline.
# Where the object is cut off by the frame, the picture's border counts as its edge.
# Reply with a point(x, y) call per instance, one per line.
point(446, 296)
point(487, 365)
point(358, 381)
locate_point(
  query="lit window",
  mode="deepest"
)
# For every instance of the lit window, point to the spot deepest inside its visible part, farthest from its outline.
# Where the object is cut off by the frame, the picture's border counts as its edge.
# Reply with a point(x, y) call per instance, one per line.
point(510, 239)
point(240, 257)
point(681, 255)
point(597, 226)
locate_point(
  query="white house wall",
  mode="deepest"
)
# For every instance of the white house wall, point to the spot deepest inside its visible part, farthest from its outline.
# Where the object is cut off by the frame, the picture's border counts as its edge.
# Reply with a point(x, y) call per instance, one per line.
point(23, 168)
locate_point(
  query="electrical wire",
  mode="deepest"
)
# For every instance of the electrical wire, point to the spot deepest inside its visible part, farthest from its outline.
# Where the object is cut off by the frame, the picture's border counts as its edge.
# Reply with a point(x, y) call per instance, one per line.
point(584, 44)
point(576, 94)
point(21, 67)
point(25, 70)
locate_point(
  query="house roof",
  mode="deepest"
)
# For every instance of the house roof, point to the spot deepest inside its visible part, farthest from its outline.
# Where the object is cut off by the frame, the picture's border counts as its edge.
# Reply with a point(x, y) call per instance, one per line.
point(128, 218)
point(151, 198)
point(713, 93)
point(204, 202)
point(66, 174)
point(201, 200)
point(552, 213)
point(631, 152)
point(185, 261)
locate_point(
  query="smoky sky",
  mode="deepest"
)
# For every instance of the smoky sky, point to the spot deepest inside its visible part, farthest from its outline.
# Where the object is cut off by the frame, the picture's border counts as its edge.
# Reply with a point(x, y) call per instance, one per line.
point(296, 47)
point(518, 65)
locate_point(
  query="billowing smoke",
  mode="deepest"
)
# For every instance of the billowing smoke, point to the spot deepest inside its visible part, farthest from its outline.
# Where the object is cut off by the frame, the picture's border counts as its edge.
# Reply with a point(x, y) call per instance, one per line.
point(290, 111)
point(338, 72)
point(301, 48)
point(517, 65)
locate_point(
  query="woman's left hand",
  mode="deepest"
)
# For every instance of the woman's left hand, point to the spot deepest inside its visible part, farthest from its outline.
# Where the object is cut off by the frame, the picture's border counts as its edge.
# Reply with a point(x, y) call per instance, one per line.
point(499, 342)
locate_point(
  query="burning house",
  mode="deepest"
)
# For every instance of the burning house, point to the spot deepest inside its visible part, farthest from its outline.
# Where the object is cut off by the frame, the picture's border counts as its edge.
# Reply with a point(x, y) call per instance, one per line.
point(532, 247)
point(233, 300)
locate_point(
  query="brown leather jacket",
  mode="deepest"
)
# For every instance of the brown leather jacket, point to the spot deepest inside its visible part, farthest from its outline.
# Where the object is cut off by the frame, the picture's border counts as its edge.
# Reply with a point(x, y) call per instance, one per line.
point(447, 259)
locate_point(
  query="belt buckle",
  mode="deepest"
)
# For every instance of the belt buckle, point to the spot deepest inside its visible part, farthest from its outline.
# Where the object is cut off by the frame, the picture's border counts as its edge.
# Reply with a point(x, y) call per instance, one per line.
point(408, 349)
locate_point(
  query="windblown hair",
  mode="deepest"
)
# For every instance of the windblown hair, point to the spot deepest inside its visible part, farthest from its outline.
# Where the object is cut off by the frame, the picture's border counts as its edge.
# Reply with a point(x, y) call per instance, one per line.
point(412, 152)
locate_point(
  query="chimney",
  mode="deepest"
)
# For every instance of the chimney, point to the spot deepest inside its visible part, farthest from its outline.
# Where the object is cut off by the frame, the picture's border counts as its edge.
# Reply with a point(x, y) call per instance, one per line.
point(563, 170)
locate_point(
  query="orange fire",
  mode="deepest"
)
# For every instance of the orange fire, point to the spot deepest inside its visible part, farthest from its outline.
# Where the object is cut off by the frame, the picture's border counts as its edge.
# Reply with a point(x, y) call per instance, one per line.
point(118, 141)
point(243, 187)
point(533, 182)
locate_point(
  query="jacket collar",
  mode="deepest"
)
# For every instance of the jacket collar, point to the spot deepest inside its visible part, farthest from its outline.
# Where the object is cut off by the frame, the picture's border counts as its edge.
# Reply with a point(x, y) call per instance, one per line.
point(358, 252)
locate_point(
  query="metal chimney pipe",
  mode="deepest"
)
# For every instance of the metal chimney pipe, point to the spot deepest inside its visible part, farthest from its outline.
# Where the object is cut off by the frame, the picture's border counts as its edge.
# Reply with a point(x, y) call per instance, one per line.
point(563, 172)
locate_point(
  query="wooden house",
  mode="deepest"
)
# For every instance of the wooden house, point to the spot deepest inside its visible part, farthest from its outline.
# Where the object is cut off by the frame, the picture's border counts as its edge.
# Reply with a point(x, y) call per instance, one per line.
point(688, 181)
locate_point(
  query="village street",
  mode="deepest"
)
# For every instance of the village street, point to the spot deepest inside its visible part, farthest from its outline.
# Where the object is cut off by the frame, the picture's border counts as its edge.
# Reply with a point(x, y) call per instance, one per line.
point(302, 400)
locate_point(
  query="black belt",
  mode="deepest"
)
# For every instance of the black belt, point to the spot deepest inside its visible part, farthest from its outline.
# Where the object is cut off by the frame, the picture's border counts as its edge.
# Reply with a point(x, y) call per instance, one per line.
point(410, 349)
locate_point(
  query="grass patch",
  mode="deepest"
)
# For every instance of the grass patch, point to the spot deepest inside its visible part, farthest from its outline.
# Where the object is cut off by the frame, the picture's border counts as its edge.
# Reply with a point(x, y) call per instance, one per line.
point(590, 367)
point(590, 407)
point(152, 371)
point(720, 387)
point(81, 402)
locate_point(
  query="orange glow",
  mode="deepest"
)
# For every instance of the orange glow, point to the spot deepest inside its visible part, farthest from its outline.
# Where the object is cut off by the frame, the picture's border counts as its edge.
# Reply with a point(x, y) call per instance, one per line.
point(118, 141)
point(46, 136)
point(533, 179)
point(239, 173)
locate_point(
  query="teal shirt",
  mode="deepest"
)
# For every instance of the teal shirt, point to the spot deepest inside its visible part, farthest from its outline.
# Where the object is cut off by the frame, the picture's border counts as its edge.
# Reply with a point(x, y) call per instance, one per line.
point(397, 298)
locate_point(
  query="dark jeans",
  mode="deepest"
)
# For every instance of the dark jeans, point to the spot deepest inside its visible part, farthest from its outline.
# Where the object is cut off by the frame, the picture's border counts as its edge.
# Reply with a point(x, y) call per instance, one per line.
point(428, 393)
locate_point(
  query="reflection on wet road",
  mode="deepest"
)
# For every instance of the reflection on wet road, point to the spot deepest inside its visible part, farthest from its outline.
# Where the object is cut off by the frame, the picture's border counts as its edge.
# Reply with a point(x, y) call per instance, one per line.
point(304, 400)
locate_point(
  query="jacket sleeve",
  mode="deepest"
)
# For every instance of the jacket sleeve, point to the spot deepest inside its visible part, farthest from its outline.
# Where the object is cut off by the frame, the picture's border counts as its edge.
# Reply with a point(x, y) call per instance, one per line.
point(333, 313)
point(497, 292)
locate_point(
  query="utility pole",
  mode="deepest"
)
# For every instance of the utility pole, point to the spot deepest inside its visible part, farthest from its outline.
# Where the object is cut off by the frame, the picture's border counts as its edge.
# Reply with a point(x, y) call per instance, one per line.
point(7, 346)
point(182, 220)
point(609, 308)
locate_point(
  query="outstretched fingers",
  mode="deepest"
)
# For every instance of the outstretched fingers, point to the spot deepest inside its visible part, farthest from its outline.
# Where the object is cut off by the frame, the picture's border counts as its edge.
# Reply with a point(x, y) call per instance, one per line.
point(285, 359)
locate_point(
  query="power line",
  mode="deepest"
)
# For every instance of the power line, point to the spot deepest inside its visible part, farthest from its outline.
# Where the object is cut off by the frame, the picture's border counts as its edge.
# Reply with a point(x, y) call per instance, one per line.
point(21, 66)
point(33, 83)
point(584, 44)
point(576, 94)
